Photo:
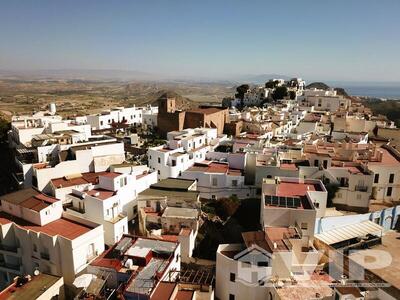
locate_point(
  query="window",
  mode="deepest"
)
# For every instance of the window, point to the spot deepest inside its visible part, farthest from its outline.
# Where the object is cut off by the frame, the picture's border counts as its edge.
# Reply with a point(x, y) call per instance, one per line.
point(316, 163)
point(159, 160)
point(34, 247)
point(339, 195)
point(316, 204)
point(358, 196)
point(125, 180)
point(214, 181)
point(262, 264)
point(325, 163)
point(376, 178)
point(213, 197)
point(391, 178)
point(389, 191)
point(304, 226)
point(158, 172)
point(232, 277)
point(234, 182)
point(231, 297)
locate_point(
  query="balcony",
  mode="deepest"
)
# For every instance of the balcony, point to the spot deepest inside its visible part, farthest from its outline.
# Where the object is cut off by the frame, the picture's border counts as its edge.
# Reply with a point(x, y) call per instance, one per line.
point(45, 256)
point(80, 210)
point(360, 188)
point(13, 250)
point(90, 257)
point(117, 218)
point(8, 266)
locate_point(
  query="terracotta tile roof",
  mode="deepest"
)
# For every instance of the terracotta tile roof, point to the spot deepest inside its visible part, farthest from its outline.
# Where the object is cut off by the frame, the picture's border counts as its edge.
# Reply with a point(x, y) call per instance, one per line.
point(63, 182)
point(29, 198)
point(63, 227)
point(288, 167)
point(163, 291)
point(294, 189)
point(184, 295)
point(101, 194)
point(387, 159)
point(111, 174)
point(85, 178)
point(215, 167)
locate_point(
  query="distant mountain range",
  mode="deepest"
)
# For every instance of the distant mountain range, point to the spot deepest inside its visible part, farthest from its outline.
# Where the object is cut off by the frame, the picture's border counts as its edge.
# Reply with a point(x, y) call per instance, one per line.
point(127, 75)
point(78, 74)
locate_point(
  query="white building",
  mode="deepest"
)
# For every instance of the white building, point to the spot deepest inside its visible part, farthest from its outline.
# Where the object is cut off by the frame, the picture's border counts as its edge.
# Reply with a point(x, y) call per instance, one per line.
point(106, 119)
point(93, 157)
point(326, 103)
point(386, 169)
point(183, 149)
point(149, 116)
point(282, 252)
point(36, 234)
point(111, 202)
point(171, 209)
point(255, 96)
point(218, 180)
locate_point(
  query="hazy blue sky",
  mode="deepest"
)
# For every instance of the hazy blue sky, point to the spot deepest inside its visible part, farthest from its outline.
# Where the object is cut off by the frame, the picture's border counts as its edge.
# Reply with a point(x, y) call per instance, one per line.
point(336, 40)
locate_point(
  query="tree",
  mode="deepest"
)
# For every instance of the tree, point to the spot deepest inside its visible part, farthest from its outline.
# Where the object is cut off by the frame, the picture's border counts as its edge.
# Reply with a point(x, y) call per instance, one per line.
point(280, 92)
point(241, 90)
point(4, 127)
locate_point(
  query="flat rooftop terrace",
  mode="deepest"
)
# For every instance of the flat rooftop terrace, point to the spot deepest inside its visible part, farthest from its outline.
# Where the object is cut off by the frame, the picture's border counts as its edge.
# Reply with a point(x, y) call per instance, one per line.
point(390, 244)
point(31, 290)
point(287, 202)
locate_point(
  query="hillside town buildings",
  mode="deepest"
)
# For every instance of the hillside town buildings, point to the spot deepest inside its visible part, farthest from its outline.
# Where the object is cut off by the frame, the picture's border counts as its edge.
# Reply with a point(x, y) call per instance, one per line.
point(127, 203)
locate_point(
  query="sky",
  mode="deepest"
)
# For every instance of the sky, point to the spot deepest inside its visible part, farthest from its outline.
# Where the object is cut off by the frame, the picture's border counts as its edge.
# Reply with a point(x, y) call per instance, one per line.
point(355, 40)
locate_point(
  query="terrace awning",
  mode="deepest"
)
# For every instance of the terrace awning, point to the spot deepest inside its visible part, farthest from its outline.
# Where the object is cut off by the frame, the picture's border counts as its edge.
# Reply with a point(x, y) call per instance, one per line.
point(349, 232)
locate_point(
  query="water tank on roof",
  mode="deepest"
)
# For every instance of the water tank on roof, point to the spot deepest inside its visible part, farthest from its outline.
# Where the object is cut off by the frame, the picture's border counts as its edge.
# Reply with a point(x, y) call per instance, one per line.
point(52, 108)
point(129, 263)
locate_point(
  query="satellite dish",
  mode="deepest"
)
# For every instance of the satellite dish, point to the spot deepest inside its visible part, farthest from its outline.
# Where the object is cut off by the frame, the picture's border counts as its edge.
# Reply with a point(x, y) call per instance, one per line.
point(36, 272)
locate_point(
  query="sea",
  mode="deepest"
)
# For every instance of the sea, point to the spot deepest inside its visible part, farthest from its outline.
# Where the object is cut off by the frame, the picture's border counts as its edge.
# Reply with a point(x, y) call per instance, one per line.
point(373, 91)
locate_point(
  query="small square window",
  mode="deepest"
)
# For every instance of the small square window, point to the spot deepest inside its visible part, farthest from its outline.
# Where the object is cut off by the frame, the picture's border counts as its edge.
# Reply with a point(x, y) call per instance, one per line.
point(391, 178)
point(376, 178)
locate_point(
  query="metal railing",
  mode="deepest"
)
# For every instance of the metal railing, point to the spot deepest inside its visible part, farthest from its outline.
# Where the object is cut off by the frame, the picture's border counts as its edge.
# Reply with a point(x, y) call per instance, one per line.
point(9, 248)
point(44, 255)
point(360, 188)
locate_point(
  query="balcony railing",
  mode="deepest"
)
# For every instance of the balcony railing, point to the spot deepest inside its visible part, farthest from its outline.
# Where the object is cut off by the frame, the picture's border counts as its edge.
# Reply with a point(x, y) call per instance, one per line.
point(9, 248)
point(360, 188)
point(77, 209)
point(90, 257)
point(10, 266)
point(44, 255)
